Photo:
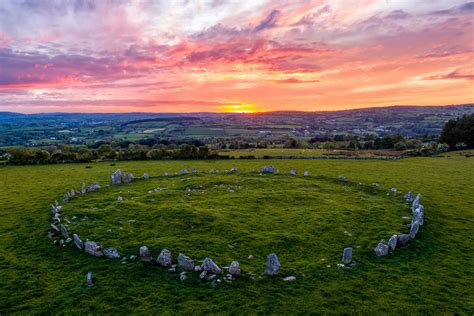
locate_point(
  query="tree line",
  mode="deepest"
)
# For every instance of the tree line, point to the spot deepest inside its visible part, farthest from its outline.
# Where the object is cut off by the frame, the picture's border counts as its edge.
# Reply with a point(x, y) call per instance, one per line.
point(457, 134)
point(67, 153)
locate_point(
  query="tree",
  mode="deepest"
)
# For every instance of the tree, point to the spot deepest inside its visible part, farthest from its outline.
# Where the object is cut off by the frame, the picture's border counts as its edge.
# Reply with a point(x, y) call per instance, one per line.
point(460, 130)
point(84, 155)
point(291, 143)
point(400, 146)
point(104, 150)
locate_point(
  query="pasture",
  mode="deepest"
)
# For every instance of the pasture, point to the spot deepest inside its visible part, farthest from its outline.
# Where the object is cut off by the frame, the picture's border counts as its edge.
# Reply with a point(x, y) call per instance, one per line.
point(305, 220)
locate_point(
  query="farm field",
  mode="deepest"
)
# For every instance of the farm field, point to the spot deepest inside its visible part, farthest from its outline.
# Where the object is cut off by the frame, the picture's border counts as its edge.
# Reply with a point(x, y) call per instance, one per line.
point(286, 152)
point(260, 152)
point(307, 221)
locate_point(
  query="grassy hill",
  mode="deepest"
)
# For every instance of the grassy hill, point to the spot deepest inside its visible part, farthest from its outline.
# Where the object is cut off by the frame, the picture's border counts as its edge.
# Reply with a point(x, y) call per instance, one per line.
point(303, 220)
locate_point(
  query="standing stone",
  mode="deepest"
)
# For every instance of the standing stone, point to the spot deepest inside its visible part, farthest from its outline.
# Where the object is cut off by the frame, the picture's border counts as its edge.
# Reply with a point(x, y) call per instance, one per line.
point(267, 169)
point(409, 197)
point(146, 175)
point(193, 170)
point(165, 174)
point(184, 171)
point(64, 231)
point(416, 201)
point(419, 208)
point(56, 218)
point(54, 229)
point(184, 262)
point(273, 265)
point(381, 249)
point(347, 255)
point(306, 174)
point(392, 242)
point(210, 266)
point(120, 198)
point(342, 178)
point(165, 259)
point(233, 169)
point(418, 215)
point(93, 249)
point(94, 186)
point(145, 255)
point(73, 192)
point(89, 279)
point(234, 268)
point(403, 239)
point(127, 177)
point(65, 197)
point(83, 188)
point(55, 209)
point(414, 229)
point(116, 177)
point(293, 172)
point(112, 253)
point(78, 242)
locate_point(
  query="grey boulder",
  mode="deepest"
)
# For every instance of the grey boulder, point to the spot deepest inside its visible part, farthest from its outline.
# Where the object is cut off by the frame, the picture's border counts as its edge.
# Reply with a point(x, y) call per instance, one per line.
point(381, 249)
point(94, 186)
point(347, 255)
point(116, 177)
point(414, 229)
point(93, 249)
point(416, 201)
point(273, 264)
point(267, 169)
point(403, 239)
point(184, 262)
point(64, 231)
point(78, 242)
point(145, 255)
point(112, 253)
point(164, 258)
point(127, 177)
point(210, 266)
point(234, 268)
point(392, 242)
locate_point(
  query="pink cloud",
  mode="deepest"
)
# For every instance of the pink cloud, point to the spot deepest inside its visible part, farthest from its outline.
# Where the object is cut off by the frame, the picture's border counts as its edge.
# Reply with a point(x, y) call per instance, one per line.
point(283, 54)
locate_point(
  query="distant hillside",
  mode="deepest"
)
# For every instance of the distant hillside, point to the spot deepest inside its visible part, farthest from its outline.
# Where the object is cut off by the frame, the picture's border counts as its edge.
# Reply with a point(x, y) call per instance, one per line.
point(425, 122)
point(11, 115)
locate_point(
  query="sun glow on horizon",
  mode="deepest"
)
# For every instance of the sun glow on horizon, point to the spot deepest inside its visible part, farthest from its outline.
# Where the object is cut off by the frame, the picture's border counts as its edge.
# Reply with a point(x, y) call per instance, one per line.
point(239, 108)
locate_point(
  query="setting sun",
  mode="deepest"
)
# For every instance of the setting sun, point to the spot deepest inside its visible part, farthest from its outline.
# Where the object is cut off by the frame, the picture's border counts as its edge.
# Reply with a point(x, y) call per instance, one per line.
point(239, 108)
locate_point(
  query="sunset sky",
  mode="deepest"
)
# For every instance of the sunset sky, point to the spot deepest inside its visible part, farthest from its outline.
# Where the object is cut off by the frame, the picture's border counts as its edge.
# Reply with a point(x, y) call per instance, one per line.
point(245, 55)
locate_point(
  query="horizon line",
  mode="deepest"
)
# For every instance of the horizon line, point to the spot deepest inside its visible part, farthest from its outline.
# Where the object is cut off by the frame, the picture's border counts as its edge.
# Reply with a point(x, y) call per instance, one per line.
point(255, 112)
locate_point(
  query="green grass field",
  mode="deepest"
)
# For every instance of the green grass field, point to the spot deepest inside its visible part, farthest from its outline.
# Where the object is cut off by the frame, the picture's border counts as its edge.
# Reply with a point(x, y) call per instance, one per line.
point(296, 152)
point(303, 220)
point(260, 152)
